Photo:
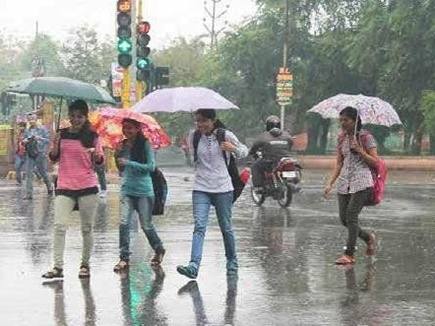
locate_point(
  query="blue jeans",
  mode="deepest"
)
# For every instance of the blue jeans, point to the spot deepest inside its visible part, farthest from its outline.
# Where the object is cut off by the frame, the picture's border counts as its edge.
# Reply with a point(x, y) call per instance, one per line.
point(101, 174)
point(20, 160)
point(223, 203)
point(144, 208)
point(40, 162)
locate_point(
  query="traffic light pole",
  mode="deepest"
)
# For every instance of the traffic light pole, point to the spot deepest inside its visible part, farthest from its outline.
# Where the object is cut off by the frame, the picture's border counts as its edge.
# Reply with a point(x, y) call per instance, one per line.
point(139, 89)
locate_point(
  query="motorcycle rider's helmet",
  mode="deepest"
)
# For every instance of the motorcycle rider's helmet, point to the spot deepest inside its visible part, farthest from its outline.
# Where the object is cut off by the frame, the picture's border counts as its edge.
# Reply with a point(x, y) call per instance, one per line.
point(273, 122)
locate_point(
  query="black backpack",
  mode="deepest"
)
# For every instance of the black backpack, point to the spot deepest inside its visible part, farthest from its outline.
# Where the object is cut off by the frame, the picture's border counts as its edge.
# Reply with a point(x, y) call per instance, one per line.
point(32, 148)
point(233, 171)
point(160, 191)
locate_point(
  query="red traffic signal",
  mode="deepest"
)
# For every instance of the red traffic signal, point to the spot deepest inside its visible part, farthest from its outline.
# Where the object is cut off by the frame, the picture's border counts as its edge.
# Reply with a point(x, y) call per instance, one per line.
point(143, 27)
point(124, 5)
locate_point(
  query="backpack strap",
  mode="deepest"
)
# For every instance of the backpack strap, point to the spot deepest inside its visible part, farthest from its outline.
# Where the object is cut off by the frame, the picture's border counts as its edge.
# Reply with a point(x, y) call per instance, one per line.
point(220, 135)
point(363, 134)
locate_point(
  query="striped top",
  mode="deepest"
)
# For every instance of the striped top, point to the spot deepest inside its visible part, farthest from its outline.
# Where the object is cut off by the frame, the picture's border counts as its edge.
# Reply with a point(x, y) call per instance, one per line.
point(76, 169)
point(355, 174)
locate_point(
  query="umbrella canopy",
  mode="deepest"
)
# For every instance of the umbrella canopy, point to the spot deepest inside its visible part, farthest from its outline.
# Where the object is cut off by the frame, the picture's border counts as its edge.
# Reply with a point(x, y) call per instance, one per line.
point(108, 124)
point(60, 87)
point(187, 99)
point(372, 110)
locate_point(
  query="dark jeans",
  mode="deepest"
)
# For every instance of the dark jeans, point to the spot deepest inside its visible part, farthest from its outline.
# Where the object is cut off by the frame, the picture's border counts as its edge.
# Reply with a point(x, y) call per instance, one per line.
point(101, 174)
point(349, 207)
point(258, 169)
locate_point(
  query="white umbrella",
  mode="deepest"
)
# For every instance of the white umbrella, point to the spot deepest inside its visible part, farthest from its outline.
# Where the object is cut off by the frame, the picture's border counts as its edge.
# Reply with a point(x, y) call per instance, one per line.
point(372, 110)
point(187, 99)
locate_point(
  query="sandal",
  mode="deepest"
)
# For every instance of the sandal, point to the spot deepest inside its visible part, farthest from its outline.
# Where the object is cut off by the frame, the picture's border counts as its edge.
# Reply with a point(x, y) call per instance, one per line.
point(158, 257)
point(56, 272)
point(121, 266)
point(371, 246)
point(85, 271)
point(345, 260)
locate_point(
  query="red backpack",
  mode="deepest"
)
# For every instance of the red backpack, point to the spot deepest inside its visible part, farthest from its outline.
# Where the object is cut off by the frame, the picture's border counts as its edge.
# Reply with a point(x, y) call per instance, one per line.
point(379, 172)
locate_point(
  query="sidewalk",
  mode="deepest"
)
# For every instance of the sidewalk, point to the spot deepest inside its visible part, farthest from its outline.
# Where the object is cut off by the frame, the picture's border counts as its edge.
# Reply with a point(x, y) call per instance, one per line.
point(411, 163)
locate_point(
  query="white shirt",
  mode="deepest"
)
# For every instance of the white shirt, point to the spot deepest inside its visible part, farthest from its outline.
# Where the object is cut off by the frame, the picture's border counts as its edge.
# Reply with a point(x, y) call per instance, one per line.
point(211, 173)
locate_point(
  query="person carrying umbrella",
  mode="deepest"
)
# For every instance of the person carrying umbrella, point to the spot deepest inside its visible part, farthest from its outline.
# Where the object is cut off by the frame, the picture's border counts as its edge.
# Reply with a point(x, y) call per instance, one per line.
point(355, 156)
point(212, 187)
point(135, 161)
point(76, 149)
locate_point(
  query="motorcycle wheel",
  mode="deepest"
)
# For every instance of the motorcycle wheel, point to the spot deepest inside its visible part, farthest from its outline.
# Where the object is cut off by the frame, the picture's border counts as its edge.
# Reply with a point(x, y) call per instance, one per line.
point(286, 198)
point(257, 198)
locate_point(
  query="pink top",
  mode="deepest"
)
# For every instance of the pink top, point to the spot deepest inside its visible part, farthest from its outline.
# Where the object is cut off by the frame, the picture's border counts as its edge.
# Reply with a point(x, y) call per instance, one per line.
point(76, 169)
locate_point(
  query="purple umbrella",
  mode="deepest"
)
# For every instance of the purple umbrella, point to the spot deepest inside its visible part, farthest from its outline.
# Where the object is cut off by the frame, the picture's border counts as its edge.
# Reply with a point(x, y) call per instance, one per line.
point(187, 99)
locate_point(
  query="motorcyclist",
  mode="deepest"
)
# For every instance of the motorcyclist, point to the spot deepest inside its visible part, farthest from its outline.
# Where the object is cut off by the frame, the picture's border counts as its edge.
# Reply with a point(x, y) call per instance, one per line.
point(273, 144)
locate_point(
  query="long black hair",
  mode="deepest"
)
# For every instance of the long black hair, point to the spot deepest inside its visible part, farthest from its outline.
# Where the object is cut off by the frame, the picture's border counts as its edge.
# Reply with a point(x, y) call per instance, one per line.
point(86, 134)
point(137, 152)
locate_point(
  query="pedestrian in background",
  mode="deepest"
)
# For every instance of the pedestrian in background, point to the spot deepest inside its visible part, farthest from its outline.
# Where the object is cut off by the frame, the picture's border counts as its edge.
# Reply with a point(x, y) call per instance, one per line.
point(355, 182)
point(212, 187)
point(77, 149)
point(102, 180)
point(20, 152)
point(36, 140)
point(135, 161)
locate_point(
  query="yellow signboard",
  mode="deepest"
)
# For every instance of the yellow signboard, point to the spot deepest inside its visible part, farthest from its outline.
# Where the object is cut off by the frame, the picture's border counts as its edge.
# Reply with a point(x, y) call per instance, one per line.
point(284, 86)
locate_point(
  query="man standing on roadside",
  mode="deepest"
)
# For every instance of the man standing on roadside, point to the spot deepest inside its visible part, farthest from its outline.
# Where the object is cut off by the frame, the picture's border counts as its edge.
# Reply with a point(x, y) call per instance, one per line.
point(20, 152)
point(36, 139)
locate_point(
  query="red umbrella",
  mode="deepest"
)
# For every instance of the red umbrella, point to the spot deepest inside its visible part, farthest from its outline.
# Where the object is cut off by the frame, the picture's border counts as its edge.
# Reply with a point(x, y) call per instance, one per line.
point(108, 123)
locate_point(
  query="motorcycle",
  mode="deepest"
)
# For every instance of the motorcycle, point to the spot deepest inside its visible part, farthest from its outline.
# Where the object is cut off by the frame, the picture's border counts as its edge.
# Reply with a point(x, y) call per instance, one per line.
point(281, 182)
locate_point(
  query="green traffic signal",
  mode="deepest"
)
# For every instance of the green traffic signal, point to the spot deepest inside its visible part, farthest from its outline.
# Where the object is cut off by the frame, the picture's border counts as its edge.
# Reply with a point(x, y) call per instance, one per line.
point(124, 45)
point(143, 63)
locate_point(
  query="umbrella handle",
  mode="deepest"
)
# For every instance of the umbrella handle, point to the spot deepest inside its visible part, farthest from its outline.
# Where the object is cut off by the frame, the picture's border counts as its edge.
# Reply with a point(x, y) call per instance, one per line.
point(58, 115)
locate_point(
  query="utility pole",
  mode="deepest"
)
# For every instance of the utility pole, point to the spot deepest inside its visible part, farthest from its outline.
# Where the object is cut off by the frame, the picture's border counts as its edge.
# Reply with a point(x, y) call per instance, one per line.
point(284, 57)
point(214, 16)
point(284, 79)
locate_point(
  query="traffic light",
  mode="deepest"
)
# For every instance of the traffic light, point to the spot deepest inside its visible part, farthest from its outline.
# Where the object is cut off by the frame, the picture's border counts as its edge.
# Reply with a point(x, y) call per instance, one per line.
point(125, 44)
point(143, 62)
point(162, 76)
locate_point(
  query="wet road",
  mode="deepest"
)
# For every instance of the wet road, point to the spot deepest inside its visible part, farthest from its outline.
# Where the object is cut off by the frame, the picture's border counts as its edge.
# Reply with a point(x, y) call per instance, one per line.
point(287, 276)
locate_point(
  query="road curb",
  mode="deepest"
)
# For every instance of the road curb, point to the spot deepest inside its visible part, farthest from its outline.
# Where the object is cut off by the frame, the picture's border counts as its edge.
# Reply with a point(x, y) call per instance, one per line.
point(414, 163)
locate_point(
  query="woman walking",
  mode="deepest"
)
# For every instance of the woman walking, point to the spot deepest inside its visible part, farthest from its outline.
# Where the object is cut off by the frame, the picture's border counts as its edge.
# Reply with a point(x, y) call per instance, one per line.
point(212, 187)
point(76, 149)
point(355, 155)
point(135, 160)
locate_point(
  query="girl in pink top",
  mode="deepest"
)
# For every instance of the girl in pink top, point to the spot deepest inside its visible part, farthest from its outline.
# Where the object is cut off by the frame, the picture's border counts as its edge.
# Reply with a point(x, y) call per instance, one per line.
point(76, 149)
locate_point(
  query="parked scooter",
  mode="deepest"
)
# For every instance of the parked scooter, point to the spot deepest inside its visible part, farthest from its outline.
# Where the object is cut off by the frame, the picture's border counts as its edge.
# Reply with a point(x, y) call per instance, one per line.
point(281, 182)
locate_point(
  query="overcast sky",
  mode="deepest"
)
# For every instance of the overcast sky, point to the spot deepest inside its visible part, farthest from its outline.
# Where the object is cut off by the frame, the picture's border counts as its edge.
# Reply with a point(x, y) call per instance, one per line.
point(168, 18)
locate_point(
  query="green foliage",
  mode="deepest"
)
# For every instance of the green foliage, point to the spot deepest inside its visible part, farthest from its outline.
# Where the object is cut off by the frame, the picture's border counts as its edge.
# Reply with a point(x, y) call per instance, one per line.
point(85, 57)
point(375, 47)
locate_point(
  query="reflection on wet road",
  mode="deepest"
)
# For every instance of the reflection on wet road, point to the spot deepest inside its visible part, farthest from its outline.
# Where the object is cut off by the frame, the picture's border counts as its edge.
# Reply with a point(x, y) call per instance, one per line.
point(286, 256)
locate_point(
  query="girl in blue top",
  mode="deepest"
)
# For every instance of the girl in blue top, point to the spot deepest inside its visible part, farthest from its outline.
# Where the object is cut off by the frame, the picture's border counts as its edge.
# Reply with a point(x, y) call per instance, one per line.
point(135, 160)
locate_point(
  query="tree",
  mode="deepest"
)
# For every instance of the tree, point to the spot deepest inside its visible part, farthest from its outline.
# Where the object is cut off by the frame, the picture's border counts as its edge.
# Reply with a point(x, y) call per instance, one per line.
point(85, 57)
point(428, 107)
